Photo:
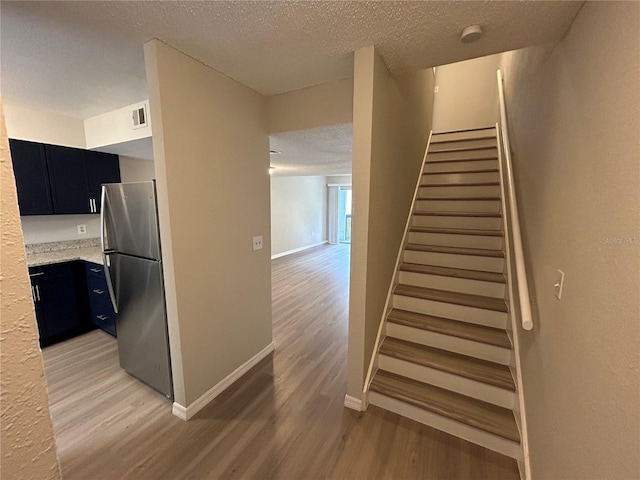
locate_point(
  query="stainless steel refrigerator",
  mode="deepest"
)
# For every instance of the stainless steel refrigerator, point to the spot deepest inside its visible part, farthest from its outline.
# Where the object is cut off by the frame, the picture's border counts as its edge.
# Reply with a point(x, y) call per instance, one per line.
point(133, 266)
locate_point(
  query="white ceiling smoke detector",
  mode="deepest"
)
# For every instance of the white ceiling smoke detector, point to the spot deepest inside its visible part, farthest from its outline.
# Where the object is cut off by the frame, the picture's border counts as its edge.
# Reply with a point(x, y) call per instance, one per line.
point(471, 33)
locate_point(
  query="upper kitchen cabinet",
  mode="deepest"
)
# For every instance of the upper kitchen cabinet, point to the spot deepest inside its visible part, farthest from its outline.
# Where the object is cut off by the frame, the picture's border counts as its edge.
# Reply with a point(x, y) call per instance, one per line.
point(52, 179)
point(68, 176)
point(32, 177)
point(101, 168)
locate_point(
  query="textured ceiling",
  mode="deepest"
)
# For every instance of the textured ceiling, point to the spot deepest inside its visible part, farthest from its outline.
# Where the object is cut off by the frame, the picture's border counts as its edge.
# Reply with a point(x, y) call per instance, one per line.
point(85, 58)
point(318, 151)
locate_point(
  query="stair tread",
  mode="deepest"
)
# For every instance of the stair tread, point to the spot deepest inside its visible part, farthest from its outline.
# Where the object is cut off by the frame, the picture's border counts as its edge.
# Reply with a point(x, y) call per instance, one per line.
point(454, 160)
point(490, 127)
point(458, 231)
point(475, 199)
point(464, 299)
point(468, 367)
point(486, 136)
point(454, 328)
point(476, 413)
point(473, 184)
point(484, 170)
point(478, 252)
point(463, 149)
point(453, 272)
point(460, 214)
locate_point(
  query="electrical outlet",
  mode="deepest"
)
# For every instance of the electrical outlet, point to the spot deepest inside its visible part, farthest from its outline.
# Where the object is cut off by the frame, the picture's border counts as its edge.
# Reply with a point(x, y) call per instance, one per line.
point(257, 242)
point(82, 229)
point(557, 287)
point(436, 89)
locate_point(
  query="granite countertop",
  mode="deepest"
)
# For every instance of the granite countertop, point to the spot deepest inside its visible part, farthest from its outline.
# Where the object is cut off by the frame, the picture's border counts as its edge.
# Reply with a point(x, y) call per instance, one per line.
point(57, 252)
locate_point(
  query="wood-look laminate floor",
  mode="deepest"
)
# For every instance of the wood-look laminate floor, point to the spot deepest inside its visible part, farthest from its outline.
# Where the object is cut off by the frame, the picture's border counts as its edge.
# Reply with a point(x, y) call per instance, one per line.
point(285, 419)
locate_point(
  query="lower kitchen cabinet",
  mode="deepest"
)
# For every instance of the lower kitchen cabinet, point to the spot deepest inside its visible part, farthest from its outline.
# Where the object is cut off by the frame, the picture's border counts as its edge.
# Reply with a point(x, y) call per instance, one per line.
point(102, 312)
point(59, 295)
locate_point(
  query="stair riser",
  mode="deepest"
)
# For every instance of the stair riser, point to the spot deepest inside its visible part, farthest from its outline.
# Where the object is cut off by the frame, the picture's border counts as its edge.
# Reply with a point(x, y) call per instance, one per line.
point(476, 143)
point(451, 240)
point(479, 316)
point(452, 427)
point(470, 348)
point(459, 166)
point(452, 284)
point(470, 388)
point(469, 206)
point(470, 154)
point(480, 223)
point(467, 177)
point(464, 135)
point(470, 262)
point(463, 191)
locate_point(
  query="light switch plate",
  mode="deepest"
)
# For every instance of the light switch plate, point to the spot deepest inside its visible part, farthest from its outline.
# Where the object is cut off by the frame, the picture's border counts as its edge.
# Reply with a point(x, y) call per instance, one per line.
point(257, 242)
point(436, 89)
point(82, 229)
point(557, 286)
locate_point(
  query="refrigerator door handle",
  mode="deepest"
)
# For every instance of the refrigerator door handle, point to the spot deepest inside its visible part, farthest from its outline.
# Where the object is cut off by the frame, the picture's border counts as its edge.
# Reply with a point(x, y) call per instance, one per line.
point(105, 253)
point(107, 274)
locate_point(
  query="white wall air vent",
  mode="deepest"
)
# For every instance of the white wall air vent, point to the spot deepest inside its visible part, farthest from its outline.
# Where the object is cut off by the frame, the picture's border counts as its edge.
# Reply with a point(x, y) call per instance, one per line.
point(140, 118)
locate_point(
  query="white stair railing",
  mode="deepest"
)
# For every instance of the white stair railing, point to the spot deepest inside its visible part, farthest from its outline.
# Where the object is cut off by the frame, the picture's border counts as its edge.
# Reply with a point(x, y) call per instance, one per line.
point(510, 196)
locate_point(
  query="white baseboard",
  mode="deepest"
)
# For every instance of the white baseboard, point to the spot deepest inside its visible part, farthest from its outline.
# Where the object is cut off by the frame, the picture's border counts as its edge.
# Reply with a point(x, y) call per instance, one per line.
point(354, 403)
point(185, 413)
point(296, 250)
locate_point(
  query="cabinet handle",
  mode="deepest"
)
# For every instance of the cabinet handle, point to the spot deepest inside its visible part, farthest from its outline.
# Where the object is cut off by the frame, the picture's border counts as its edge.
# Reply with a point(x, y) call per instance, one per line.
point(98, 291)
point(102, 317)
point(33, 294)
point(95, 206)
point(37, 274)
point(38, 292)
point(96, 270)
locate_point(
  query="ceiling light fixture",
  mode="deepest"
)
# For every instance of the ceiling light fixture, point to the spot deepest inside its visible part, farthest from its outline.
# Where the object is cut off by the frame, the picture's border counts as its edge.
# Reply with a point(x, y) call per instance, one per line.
point(271, 170)
point(471, 33)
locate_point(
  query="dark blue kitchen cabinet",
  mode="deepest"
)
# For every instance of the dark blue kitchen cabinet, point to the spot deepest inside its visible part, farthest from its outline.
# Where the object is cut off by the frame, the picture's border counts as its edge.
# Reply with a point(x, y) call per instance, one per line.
point(101, 168)
point(69, 183)
point(32, 177)
point(52, 179)
point(102, 313)
point(59, 296)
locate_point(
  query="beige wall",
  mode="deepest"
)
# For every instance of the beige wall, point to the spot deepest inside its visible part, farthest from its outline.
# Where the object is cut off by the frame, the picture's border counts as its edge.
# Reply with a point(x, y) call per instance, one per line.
point(390, 131)
point(298, 212)
point(318, 106)
point(212, 158)
point(467, 96)
point(27, 445)
point(45, 127)
point(339, 179)
point(136, 169)
point(576, 135)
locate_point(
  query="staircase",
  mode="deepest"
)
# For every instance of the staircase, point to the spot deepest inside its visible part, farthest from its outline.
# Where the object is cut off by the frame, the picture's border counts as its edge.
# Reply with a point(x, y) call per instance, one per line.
point(444, 354)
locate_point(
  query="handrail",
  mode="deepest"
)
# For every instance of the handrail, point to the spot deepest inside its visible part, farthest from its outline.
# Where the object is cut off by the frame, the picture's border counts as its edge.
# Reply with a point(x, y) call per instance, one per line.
point(521, 272)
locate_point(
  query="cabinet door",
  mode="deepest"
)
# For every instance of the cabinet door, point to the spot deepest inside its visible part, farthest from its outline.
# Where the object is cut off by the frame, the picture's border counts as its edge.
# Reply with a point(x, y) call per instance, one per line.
point(101, 168)
point(32, 178)
point(68, 175)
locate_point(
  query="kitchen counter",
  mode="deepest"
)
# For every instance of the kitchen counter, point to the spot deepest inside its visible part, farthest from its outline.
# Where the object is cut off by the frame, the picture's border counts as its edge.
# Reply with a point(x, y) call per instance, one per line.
point(56, 252)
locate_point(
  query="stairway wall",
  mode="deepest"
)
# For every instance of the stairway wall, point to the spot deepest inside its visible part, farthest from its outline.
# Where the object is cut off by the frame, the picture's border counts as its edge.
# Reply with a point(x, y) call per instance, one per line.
point(575, 129)
point(391, 124)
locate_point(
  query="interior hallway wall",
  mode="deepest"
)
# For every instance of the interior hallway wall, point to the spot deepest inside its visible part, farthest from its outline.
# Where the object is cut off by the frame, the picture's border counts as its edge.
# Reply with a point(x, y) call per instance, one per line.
point(575, 128)
point(27, 444)
point(467, 96)
point(298, 213)
point(211, 153)
point(391, 124)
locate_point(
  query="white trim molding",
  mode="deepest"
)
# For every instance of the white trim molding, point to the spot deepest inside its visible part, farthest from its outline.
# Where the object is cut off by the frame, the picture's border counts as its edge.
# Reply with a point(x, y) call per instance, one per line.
point(354, 403)
point(185, 413)
point(296, 250)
